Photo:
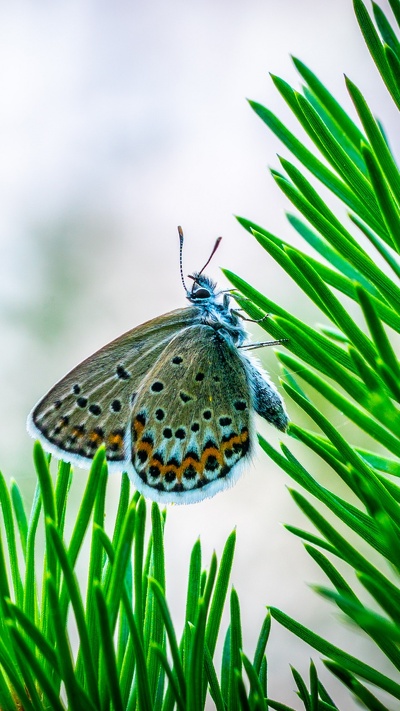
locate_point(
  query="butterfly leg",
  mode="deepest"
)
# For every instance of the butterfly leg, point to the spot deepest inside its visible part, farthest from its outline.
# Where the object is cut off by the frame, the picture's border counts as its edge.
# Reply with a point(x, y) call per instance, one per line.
point(263, 344)
point(238, 312)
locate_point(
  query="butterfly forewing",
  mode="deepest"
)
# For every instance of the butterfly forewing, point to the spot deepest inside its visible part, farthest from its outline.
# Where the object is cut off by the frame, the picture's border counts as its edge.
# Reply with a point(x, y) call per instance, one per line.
point(92, 405)
point(191, 418)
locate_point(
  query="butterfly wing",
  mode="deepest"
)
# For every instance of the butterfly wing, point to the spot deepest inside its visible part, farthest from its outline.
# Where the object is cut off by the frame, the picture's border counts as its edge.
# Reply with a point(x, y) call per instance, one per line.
point(92, 405)
point(191, 419)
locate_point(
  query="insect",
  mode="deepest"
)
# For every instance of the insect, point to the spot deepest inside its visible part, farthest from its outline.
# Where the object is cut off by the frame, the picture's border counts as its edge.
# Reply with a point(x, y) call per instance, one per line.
point(172, 400)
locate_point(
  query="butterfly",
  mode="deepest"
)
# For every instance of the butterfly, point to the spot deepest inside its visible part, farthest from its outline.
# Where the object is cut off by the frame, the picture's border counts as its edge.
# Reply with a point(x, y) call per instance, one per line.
point(172, 400)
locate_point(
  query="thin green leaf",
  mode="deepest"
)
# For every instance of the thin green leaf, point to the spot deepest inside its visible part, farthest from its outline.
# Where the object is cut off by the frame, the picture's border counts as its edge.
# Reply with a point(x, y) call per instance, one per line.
point(377, 141)
point(375, 47)
point(315, 540)
point(138, 563)
point(387, 204)
point(389, 379)
point(256, 696)
point(302, 689)
point(118, 570)
point(394, 66)
point(355, 686)
point(50, 568)
point(278, 706)
point(75, 694)
point(20, 515)
point(193, 590)
point(395, 6)
point(388, 602)
point(388, 34)
point(332, 573)
point(109, 672)
point(330, 650)
point(4, 609)
point(195, 680)
point(30, 590)
point(259, 653)
point(171, 678)
point(236, 648)
point(378, 334)
point(382, 631)
point(241, 701)
point(6, 507)
point(142, 690)
point(63, 482)
point(219, 596)
point(178, 669)
point(96, 560)
point(154, 628)
point(384, 464)
point(226, 665)
point(383, 251)
point(314, 686)
point(192, 599)
point(46, 487)
point(214, 687)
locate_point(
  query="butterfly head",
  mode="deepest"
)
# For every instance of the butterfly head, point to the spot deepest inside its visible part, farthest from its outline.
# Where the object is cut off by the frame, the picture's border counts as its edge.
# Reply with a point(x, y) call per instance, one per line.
point(203, 289)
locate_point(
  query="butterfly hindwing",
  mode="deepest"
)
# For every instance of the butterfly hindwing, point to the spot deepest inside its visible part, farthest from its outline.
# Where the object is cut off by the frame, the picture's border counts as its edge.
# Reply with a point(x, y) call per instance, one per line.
point(92, 405)
point(191, 418)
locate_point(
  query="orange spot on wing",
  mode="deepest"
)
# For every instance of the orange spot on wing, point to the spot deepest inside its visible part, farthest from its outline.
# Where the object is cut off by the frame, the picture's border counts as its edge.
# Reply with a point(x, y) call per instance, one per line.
point(116, 440)
point(211, 452)
point(190, 461)
point(235, 439)
point(138, 427)
point(145, 446)
point(95, 437)
point(77, 432)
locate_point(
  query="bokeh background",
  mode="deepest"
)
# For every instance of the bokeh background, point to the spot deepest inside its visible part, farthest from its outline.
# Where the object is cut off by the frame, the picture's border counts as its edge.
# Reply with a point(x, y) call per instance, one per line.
point(118, 122)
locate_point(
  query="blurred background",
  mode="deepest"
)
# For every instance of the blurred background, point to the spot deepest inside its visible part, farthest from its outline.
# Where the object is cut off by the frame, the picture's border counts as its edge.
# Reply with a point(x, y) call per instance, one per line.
point(118, 122)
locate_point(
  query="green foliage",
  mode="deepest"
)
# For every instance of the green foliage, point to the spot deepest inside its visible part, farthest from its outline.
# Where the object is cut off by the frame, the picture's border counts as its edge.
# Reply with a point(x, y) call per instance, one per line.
point(128, 655)
point(354, 368)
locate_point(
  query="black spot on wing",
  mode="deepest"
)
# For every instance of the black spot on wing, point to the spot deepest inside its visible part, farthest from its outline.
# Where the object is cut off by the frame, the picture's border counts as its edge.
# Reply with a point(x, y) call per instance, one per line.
point(115, 405)
point(122, 373)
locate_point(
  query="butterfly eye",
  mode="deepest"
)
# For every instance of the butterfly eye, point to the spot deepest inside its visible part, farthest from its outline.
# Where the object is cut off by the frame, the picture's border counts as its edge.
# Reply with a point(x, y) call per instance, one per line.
point(201, 293)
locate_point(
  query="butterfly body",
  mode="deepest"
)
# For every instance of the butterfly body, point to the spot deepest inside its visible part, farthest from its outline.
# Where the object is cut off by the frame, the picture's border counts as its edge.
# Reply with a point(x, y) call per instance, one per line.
point(172, 401)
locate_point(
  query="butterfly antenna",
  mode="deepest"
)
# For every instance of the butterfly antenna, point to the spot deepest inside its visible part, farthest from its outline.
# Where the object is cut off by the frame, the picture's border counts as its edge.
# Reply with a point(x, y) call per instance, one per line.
point(180, 232)
point(216, 245)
